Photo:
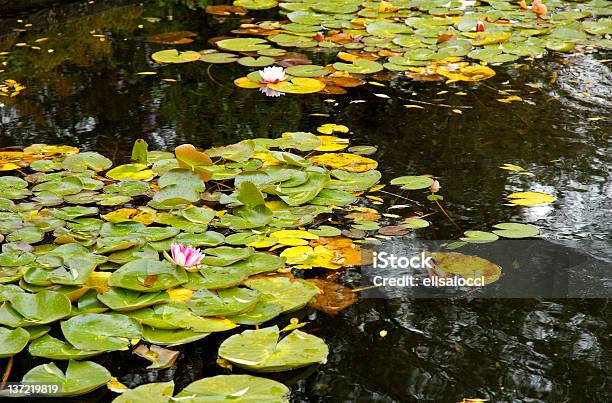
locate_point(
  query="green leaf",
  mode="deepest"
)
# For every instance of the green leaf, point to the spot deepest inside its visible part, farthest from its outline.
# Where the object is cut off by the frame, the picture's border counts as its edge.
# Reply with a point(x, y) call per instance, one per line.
point(12, 341)
point(236, 388)
point(42, 307)
point(81, 162)
point(260, 350)
point(229, 301)
point(55, 349)
point(516, 230)
point(290, 294)
point(81, 377)
point(146, 275)
point(100, 331)
point(159, 392)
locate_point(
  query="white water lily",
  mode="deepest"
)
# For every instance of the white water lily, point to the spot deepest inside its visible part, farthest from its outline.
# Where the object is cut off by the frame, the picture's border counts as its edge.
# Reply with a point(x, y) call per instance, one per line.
point(272, 75)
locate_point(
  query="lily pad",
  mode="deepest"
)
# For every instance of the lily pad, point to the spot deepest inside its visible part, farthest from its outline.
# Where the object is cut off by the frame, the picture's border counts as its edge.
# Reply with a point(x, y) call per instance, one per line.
point(261, 351)
point(237, 388)
point(291, 295)
point(516, 230)
point(146, 275)
point(81, 377)
point(100, 331)
point(174, 56)
point(55, 349)
point(12, 341)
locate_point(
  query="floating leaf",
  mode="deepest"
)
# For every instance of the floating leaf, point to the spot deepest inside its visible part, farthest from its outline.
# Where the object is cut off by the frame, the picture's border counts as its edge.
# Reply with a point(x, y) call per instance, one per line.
point(12, 341)
point(174, 56)
point(413, 182)
point(291, 295)
point(530, 198)
point(81, 377)
point(516, 230)
point(237, 388)
point(97, 331)
point(158, 392)
point(344, 161)
point(466, 266)
point(260, 350)
point(298, 85)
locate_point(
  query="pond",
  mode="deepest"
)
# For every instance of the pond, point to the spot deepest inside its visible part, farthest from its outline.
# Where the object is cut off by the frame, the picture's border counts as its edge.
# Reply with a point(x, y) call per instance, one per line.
point(84, 90)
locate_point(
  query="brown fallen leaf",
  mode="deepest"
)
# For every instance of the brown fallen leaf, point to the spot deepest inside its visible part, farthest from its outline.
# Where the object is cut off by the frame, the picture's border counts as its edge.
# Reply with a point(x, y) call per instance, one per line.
point(333, 298)
point(160, 357)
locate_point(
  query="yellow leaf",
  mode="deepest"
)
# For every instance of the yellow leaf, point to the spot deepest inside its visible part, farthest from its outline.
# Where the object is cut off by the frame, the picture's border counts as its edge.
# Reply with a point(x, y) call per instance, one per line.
point(99, 281)
point(180, 294)
point(530, 198)
point(461, 72)
point(510, 99)
point(293, 237)
point(306, 257)
point(329, 128)
point(332, 143)
point(146, 73)
point(130, 214)
point(414, 106)
point(244, 82)
point(116, 386)
point(345, 161)
point(298, 85)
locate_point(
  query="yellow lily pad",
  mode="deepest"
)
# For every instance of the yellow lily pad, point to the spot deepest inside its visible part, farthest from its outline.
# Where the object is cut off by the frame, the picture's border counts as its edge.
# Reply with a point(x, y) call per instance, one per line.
point(298, 85)
point(345, 161)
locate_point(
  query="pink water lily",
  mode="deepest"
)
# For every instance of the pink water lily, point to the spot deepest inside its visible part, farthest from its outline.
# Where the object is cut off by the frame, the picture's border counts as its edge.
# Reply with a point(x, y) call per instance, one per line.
point(186, 256)
point(272, 75)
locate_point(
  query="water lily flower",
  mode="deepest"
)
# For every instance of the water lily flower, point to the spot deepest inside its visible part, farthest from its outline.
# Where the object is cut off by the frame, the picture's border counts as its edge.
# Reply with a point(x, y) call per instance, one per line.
point(272, 75)
point(186, 256)
point(435, 186)
point(270, 92)
point(480, 26)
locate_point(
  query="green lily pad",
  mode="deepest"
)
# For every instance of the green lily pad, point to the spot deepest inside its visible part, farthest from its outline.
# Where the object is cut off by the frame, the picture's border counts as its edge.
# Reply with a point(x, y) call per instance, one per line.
point(261, 351)
point(100, 331)
point(218, 58)
point(224, 302)
point(146, 275)
point(12, 341)
point(122, 300)
point(516, 230)
point(225, 255)
point(243, 44)
point(359, 66)
point(306, 70)
point(81, 377)
point(413, 182)
point(178, 316)
point(174, 56)
point(42, 307)
point(262, 312)
point(55, 349)
point(81, 162)
point(171, 337)
point(478, 237)
point(290, 294)
point(237, 388)
point(260, 61)
point(158, 392)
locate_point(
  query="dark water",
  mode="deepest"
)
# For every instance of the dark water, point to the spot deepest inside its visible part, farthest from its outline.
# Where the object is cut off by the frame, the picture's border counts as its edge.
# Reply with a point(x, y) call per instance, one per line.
point(87, 94)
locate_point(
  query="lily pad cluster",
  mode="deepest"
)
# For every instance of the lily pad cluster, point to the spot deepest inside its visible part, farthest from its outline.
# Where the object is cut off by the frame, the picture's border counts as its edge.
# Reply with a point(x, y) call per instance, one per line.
point(425, 40)
point(87, 249)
